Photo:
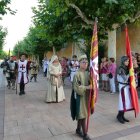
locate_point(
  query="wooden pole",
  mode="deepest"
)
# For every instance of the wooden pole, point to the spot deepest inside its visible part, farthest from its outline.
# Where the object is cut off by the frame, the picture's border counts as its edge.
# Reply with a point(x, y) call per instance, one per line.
point(18, 52)
point(9, 53)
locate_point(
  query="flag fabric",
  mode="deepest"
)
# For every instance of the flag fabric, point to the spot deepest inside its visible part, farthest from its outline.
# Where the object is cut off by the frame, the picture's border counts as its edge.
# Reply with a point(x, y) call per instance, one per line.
point(132, 83)
point(94, 76)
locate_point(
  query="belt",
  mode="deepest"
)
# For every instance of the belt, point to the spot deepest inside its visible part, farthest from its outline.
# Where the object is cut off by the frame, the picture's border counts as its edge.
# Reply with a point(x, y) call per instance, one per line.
point(123, 83)
point(73, 71)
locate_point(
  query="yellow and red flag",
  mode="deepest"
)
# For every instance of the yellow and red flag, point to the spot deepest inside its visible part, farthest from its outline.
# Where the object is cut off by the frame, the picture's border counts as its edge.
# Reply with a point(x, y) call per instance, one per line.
point(132, 83)
point(94, 75)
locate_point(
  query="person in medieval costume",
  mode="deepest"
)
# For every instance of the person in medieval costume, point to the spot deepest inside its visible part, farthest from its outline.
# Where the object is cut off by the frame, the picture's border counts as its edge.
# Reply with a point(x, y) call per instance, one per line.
point(74, 67)
point(4, 65)
point(12, 72)
point(55, 91)
point(63, 63)
point(125, 101)
point(80, 97)
point(45, 66)
point(34, 70)
point(23, 67)
point(136, 69)
point(6, 71)
point(138, 63)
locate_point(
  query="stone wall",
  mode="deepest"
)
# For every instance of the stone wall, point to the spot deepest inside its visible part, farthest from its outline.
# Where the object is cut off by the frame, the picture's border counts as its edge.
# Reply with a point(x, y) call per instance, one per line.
point(134, 36)
point(65, 52)
point(69, 50)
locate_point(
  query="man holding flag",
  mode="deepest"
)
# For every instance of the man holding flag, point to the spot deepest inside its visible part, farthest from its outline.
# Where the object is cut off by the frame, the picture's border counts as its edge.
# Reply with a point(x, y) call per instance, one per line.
point(85, 88)
point(128, 97)
point(81, 90)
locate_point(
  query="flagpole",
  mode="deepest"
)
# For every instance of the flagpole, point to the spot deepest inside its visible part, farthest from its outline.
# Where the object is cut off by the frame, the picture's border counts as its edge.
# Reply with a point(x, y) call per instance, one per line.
point(96, 19)
point(93, 76)
point(17, 71)
point(9, 53)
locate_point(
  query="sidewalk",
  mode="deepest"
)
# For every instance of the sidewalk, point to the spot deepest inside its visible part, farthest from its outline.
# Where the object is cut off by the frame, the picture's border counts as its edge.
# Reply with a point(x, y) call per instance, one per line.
point(28, 117)
point(2, 99)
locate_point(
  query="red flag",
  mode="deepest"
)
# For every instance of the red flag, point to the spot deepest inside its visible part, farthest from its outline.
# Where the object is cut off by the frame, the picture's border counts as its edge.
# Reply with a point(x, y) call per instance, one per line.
point(94, 76)
point(133, 89)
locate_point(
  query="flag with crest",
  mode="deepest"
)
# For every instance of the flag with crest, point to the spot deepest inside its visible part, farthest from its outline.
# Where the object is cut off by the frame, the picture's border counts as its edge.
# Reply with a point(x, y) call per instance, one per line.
point(94, 75)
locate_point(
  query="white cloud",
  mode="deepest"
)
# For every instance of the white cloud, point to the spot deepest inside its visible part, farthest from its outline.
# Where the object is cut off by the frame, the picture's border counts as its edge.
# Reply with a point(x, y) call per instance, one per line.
point(18, 24)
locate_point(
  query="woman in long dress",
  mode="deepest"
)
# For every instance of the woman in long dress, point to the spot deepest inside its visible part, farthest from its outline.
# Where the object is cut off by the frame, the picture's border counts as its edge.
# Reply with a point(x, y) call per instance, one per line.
point(55, 91)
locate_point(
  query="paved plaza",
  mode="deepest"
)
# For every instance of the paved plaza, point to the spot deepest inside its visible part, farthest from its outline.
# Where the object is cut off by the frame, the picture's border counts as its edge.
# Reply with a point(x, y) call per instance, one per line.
point(28, 117)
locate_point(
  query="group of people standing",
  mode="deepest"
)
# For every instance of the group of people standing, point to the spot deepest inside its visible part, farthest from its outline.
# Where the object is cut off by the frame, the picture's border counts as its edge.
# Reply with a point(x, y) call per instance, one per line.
point(55, 71)
point(79, 76)
point(18, 71)
point(9, 70)
point(108, 73)
point(109, 70)
point(69, 67)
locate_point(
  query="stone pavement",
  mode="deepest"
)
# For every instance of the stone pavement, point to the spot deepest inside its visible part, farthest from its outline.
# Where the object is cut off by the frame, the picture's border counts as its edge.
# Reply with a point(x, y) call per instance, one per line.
point(28, 117)
point(2, 93)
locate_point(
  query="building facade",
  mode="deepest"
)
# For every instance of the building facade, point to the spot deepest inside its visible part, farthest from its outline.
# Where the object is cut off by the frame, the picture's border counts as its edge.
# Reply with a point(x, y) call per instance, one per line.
point(116, 50)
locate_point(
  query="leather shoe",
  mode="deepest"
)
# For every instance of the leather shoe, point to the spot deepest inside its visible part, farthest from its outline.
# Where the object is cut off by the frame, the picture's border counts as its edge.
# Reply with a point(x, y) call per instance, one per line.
point(126, 120)
point(79, 133)
point(86, 137)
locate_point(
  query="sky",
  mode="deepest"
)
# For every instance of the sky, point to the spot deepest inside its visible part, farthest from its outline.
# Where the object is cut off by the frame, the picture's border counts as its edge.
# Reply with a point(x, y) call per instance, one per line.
point(18, 24)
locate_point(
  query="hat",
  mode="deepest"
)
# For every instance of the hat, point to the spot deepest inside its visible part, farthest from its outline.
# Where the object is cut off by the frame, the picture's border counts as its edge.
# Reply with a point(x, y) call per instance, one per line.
point(82, 57)
point(53, 58)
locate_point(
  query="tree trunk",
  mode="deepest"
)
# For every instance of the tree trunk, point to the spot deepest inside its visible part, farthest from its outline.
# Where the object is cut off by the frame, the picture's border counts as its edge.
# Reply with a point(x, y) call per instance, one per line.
point(112, 44)
point(54, 51)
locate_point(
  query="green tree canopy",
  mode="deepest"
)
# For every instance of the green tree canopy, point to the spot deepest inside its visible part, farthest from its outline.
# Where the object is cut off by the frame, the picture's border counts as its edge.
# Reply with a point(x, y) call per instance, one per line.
point(57, 22)
point(65, 20)
point(4, 8)
point(32, 44)
point(3, 33)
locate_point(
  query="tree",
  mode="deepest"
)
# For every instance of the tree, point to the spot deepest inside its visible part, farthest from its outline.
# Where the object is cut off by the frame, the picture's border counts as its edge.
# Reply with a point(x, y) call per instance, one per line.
point(32, 44)
point(4, 8)
point(64, 20)
point(109, 12)
point(57, 22)
point(3, 55)
point(3, 33)
point(49, 26)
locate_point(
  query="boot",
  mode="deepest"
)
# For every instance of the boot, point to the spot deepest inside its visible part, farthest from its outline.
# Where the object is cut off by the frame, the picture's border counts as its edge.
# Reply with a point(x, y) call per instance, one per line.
point(35, 79)
point(20, 93)
point(120, 117)
point(31, 79)
point(23, 92)
point(79, 132)
point(9, 85)
point(126, 120)
point(13, 84)
point(86, 137)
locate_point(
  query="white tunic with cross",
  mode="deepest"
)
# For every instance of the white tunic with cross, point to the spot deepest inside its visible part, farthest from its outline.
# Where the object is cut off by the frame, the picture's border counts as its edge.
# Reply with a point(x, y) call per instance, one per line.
point(22, 71)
